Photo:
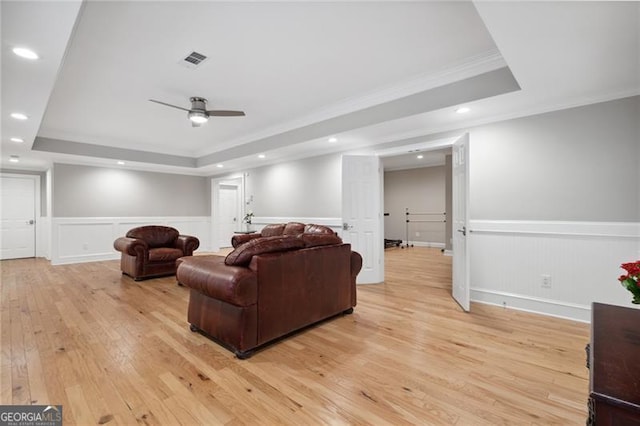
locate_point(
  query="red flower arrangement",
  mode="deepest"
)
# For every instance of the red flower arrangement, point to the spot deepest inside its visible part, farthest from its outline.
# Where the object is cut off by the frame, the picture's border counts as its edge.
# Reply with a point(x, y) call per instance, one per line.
point(631, 281)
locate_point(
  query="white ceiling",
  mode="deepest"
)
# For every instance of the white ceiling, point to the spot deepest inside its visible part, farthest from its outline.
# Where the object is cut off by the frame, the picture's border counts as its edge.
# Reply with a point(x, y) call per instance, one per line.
point(368, 73)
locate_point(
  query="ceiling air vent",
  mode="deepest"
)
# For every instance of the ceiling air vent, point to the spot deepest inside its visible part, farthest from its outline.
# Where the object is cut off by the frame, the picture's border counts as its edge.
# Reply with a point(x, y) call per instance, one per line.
point(193, 59)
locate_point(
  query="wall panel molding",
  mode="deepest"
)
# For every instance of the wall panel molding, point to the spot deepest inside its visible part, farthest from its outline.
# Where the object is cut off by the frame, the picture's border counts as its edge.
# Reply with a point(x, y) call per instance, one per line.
point(581, 261)
point(90, 239)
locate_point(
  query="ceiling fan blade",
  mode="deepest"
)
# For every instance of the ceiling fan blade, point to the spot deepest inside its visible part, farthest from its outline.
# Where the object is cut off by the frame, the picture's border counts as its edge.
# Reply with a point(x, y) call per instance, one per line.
point(225, 113)
point(169, 105)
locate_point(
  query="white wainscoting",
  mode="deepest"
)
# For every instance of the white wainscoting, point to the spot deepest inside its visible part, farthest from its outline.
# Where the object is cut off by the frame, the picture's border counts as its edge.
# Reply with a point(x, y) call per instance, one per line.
point(581, 259)
point(89, 239)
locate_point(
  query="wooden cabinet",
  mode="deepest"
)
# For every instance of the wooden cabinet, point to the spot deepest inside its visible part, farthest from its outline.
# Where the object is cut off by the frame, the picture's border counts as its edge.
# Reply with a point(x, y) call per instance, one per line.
point(614, 366)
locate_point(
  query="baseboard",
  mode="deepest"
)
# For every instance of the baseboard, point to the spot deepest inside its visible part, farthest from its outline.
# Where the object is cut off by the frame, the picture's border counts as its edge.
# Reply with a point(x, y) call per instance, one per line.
point(424, 244)
point(535, 305)
point(86, 258)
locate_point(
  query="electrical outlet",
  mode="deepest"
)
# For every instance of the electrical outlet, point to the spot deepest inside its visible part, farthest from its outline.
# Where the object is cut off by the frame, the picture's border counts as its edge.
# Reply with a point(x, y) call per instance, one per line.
point(546, 281)
point(417, 234)
point(85, 246)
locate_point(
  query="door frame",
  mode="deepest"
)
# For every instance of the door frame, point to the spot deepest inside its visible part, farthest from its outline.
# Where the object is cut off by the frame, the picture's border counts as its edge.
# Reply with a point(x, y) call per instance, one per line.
point(37, 231)
point(237, 180)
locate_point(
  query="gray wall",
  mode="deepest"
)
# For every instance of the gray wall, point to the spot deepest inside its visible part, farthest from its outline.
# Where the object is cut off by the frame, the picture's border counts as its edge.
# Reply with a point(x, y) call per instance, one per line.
point(421, 191)
point(43, 185)
point(85, 191)
point(579, 164)
point(310, 187)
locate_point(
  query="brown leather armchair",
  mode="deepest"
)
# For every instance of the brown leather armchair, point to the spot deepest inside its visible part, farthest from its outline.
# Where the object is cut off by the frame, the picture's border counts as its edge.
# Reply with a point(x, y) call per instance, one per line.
point(270, 286)
point(152, 251)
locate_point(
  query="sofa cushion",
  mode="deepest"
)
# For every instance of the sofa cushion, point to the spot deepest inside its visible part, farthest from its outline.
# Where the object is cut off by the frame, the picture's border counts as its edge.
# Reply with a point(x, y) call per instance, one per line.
point(293, 228)
point(272, 230)
point(242, 255)
point(164, 254)
point(155, 236)
point(318, 229)
point(313, 240)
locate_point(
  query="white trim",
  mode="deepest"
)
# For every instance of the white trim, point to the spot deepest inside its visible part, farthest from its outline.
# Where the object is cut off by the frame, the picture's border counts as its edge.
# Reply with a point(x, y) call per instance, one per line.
point(429, 145)
point(554, 308)
point(559, 228)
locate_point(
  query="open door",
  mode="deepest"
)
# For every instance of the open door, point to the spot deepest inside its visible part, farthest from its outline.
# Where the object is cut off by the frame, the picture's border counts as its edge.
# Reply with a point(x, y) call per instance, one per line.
point(362, 213)
point(460, 166)
point(228, 212)
point(227, 195)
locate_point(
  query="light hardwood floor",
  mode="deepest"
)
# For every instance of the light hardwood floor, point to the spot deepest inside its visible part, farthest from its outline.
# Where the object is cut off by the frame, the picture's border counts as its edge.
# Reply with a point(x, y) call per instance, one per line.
point(115, 351)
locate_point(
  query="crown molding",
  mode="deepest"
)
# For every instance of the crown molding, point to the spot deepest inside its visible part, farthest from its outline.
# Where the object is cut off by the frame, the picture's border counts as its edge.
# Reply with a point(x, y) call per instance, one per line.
point(470, 67)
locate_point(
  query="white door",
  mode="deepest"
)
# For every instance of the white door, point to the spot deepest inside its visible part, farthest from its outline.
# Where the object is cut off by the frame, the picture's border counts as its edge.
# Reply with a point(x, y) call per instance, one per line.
point(460, 287)
point(17, 217)
point(361, 213)
point(228, 213)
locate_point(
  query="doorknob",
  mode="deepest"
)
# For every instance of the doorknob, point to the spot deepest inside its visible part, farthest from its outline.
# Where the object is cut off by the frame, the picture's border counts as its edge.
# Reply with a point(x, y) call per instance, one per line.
point(346, 226)
point(463, 230)
point(31, 222)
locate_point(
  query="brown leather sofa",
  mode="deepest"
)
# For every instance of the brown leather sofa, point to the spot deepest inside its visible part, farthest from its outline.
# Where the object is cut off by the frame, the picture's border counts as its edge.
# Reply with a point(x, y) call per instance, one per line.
point(274, 283)
point(152, 251)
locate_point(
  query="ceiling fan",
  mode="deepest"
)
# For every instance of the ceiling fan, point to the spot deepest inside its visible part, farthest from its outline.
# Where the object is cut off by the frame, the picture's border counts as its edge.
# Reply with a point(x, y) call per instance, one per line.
point(198, 113)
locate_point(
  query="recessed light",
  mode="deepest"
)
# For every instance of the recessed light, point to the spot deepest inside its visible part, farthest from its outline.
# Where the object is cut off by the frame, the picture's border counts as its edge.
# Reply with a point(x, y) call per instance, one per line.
point(14, 159)
point(262, 156)
point(17, 140)
point(462, 110)
point(219, 166)
point(18, 116)
point(333, 140)
point(23, 52)
point(120, 163)
point(420, 157)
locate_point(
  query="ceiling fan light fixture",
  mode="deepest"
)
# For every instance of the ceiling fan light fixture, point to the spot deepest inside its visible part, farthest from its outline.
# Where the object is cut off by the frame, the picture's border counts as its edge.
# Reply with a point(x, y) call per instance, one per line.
point(198, 117)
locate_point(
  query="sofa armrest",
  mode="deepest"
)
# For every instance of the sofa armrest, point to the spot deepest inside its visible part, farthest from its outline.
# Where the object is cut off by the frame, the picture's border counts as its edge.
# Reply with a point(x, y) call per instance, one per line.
point(239, 239)
point(131, 246)
point(356, 265)
point(187, 244)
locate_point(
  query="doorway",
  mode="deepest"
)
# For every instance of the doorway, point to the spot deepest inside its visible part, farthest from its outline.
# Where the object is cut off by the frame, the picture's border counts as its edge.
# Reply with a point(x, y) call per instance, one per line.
point(458, 216)
point(229, 212)
point(227, 209)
